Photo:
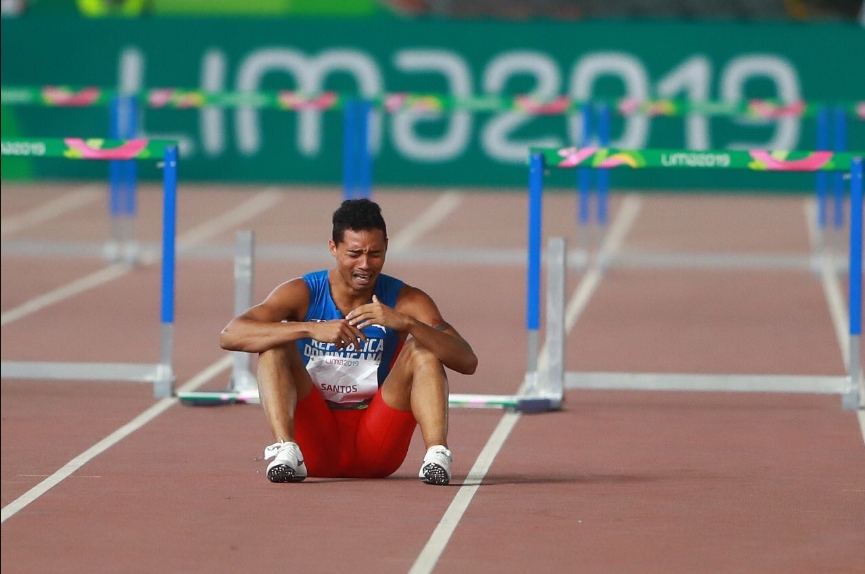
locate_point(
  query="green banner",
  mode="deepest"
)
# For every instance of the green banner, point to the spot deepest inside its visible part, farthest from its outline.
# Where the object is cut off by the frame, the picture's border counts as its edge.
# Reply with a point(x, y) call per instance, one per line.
point(437, 139)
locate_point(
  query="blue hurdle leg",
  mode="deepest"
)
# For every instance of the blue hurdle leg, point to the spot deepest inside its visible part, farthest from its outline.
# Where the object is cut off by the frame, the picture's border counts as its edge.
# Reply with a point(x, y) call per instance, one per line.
point(603, 174)
point(584, 182)
point(840, 146)
point(349, 151)
point(822, 178)
point(533, 288)
point(364, 168)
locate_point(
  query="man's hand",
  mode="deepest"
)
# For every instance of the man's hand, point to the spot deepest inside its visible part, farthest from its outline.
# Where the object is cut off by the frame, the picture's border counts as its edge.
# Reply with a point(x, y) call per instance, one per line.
point(340, 332)
point(377, 313)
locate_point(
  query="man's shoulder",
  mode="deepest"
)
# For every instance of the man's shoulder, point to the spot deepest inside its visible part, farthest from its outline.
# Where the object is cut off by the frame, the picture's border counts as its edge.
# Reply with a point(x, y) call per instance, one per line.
point(316, 274)
point(391, 280)
point(316, 278)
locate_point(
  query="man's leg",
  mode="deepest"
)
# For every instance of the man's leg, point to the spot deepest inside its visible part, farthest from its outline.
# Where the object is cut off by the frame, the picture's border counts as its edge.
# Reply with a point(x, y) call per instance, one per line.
point(282, 382)
point(418, 382)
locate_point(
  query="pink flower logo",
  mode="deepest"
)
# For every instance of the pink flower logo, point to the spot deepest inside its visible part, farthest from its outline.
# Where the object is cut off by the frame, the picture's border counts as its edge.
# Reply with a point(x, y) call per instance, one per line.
point(395, 101)
point(618, 159)
point(159, 98)
point(768, 110)
point(92, 149)
point(813, 162)
point(573, 156)
point(533, 106)
point(59, 96)
point(296, 101)
point(629, 106)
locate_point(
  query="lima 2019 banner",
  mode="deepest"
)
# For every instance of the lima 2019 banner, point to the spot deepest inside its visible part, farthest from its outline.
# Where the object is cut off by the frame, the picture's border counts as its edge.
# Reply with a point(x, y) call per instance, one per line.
point(582, 60)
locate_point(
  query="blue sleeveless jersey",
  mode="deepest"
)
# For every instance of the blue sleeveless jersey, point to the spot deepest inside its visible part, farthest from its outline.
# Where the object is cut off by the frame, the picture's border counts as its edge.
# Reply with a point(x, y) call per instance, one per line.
point(382, 343)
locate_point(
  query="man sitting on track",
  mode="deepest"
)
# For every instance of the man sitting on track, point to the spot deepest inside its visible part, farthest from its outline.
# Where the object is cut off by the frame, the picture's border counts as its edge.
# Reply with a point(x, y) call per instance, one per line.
point(350, 360)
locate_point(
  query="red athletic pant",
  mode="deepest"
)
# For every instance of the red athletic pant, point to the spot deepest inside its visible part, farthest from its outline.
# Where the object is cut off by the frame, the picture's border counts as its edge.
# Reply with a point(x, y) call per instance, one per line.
point(363, 443)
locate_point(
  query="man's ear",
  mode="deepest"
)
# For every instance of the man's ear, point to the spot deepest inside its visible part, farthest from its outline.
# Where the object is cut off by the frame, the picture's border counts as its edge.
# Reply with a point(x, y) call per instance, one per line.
point(332, 246)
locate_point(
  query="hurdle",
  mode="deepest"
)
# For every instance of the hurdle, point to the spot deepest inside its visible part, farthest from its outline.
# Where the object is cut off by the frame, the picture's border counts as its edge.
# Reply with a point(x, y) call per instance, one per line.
point(124, 120)
point(357, 157)
point(122, 174)
point(123, 183)
point(534, 395)
point(779, 161)
point(831, 123)
point(161, 374)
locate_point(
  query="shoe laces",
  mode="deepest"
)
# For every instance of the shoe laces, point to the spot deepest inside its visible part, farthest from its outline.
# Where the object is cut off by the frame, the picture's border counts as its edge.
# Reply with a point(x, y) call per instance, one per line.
point(436, 452)
point(274, 449)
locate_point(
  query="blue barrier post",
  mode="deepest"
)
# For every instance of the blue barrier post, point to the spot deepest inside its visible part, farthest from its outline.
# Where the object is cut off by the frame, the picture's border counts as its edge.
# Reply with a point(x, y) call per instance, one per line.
point(349, 153)
point(533, 288)
point(122, 180)
point(851, 398)
point(840, 145)
point(165, 379)
point(357, 158)
point(364, 169)
point(584, 174)
point(603, 174)
point(822, 177)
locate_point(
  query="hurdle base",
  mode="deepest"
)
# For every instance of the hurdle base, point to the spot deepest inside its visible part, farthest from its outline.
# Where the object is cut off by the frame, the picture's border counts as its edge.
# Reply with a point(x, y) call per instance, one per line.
point(706, 382)
point(531, 405)
point(160, 375)
point(516, 403)
point(217, 398)
point(243, 381)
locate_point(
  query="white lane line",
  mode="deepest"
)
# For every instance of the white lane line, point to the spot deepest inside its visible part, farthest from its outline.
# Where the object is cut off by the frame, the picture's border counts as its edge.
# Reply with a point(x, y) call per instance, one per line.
point(47, 211)
point(611, 245)
point(619, 228)
point(95, 279)
point(259, 203)
point(861, 414)
point(70, 467)
point(435, 214)
point(431, 552)
point(835, 299)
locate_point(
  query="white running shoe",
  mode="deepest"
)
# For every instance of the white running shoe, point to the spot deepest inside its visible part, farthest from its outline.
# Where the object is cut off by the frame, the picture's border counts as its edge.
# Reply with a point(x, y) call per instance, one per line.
point(288, 466)
point(436, 467)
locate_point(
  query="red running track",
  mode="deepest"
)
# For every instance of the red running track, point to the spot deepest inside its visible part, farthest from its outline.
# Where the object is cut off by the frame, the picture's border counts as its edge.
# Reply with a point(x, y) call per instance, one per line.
point(636, 482)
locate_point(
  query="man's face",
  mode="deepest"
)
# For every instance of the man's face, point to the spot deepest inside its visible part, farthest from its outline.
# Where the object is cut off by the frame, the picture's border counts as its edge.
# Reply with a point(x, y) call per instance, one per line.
point(360, 257)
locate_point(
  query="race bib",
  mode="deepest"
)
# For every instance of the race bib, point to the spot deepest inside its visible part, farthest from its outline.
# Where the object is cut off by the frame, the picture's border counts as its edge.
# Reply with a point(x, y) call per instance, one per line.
point(344, 380)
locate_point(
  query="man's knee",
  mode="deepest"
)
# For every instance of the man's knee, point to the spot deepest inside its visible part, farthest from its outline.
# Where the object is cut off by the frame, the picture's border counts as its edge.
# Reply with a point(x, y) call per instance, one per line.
point(417, 356)
point(415, 366)
point(284, 354)
point(286, 359)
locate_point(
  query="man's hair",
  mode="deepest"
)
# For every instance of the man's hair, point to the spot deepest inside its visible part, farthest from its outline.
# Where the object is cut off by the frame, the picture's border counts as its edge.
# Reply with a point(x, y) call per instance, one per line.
point(357, 215)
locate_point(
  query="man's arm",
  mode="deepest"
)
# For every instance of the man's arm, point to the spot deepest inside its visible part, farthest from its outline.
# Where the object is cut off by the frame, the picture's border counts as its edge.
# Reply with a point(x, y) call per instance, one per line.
point(262, 327)
point(416, 314)
point(279, 320)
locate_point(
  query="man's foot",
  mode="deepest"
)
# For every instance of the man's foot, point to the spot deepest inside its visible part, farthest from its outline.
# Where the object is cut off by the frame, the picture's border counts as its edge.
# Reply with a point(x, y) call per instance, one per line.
point(288, 466)
point(436, 467)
